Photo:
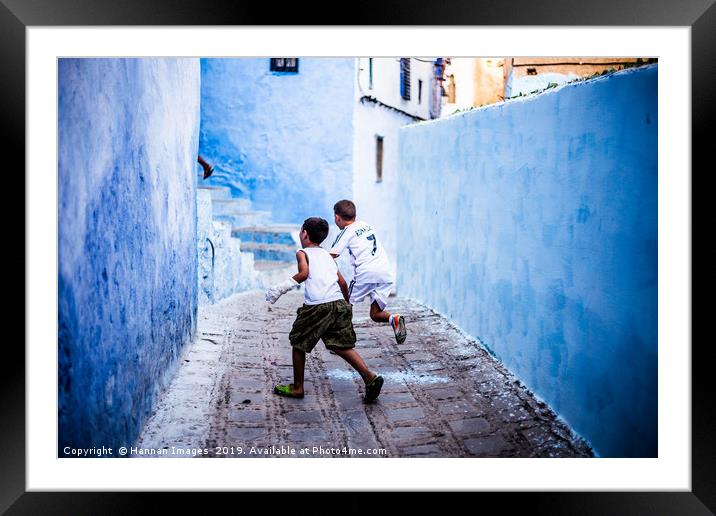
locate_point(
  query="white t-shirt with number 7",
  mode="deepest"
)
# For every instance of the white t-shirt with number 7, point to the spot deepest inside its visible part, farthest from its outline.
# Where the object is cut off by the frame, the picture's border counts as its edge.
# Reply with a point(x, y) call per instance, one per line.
point(367, 254)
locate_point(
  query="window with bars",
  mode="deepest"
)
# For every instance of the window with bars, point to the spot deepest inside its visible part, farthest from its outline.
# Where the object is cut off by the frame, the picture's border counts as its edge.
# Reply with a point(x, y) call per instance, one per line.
point(284, 64)
point(405, 77)
point(378, 159)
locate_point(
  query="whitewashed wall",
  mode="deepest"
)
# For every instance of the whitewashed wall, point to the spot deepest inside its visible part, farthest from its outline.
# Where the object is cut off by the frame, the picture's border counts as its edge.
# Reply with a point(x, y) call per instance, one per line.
point(386, 83)
point(378, 202)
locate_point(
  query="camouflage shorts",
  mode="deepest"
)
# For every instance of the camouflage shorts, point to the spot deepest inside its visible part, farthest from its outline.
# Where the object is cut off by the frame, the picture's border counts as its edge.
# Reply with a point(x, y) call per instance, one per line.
point(332, 322)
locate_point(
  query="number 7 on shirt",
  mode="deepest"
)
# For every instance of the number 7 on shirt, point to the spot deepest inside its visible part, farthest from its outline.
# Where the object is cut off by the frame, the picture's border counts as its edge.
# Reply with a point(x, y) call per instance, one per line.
point(375, 243)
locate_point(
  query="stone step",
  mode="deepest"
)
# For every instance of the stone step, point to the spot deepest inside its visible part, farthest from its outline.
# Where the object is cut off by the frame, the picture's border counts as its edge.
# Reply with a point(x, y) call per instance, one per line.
point(278, 234)
point(266, 265)
point(221, 206)
point(271, 252)
point(273, 272)
point(217, 192)
point(244, 218)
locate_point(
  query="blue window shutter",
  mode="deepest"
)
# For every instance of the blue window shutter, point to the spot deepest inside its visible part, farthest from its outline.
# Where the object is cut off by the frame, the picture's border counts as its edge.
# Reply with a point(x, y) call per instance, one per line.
point(405, 77)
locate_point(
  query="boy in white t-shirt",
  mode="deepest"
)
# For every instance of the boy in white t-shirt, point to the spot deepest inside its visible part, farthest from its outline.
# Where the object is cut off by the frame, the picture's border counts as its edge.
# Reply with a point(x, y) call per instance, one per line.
point(372, 268)
point(325, 314)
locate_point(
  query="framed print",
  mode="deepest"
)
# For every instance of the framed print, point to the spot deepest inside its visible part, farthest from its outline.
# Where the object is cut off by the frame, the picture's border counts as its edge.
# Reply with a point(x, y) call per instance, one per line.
point(522, 290)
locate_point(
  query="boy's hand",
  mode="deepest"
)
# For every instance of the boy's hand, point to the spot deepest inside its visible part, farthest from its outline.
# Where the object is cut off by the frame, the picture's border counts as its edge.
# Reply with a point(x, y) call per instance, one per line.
point(276, 291)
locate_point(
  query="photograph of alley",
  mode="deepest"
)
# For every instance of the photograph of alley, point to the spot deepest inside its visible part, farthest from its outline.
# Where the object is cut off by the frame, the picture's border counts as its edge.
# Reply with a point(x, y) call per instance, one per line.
point(388, 257)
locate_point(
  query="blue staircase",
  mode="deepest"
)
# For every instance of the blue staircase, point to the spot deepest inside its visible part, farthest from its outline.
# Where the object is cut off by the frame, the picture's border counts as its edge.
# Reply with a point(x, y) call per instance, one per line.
point(273, 245)
point(269, 243)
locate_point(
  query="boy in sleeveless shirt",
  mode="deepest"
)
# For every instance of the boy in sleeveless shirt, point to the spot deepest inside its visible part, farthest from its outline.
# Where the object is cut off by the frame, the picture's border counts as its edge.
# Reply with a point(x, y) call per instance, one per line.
point(372, 270)
point(325, 314)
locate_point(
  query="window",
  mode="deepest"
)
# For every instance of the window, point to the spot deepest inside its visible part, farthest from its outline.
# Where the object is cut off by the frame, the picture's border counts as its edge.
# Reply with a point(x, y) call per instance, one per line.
point(378, 159)
point(420, 91)
point(405, 77)
point(370, 73)
point(284, 64)
point(451, 89)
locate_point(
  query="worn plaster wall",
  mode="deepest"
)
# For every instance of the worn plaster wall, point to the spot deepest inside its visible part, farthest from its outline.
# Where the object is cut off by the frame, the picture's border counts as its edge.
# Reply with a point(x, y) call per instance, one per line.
point(533, 225)
point(127, 251)
point(283, 140)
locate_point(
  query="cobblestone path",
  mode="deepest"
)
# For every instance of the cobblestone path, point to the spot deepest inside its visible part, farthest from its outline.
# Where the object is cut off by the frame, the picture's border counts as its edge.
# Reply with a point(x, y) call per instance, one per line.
point(444, 395)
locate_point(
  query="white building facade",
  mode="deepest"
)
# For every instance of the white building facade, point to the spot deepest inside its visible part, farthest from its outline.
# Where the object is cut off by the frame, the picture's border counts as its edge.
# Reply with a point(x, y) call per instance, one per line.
point(390, 93)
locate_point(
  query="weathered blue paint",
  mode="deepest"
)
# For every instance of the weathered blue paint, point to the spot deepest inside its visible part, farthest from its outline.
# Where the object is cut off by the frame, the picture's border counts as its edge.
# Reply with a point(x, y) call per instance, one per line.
point(127, 255)
point(533, 225)
point(284, 140)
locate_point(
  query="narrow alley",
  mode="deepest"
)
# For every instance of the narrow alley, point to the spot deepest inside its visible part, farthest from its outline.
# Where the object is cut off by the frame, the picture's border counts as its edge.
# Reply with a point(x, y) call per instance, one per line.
point(444, 395)
point(497, 212)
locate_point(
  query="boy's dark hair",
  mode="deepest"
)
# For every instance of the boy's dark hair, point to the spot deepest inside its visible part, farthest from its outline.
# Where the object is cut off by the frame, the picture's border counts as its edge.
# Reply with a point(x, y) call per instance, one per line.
point(345, 209)
point(317, 229)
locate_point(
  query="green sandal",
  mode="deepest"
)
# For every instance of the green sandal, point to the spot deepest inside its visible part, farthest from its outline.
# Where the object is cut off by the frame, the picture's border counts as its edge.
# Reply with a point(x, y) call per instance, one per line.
point(285, 390)
point(372, 389)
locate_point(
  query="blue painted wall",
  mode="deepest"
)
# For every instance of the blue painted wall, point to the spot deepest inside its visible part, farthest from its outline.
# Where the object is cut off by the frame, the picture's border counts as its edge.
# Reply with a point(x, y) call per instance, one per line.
point(283, 140)
point(127, 256)
point(533, 225)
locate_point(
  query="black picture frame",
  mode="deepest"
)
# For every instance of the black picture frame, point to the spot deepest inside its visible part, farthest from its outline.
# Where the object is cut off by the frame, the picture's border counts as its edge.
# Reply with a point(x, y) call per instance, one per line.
point(17, 15)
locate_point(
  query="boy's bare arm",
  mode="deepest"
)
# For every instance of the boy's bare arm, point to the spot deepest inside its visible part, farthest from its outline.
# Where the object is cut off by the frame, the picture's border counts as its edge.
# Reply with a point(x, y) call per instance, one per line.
point(276, 291)
point(302, 261)
point(344, 287)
